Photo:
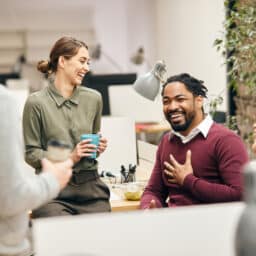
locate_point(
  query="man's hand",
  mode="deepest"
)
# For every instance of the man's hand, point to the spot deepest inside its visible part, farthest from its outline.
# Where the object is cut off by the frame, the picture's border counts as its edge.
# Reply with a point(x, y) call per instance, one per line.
point(61, 170)
point(152, 205)
point(177, 172)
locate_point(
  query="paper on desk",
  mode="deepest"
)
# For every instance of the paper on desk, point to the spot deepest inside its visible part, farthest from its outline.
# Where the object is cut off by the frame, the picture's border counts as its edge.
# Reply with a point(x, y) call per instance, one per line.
point(114, 196)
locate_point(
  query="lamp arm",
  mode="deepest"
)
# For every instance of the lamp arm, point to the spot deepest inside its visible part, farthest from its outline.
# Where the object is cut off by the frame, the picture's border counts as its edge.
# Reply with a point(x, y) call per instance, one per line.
point(159, 70)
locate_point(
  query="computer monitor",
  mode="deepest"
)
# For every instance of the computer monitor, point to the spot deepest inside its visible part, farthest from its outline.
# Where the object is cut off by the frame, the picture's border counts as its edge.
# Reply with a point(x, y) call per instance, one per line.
point(124, 101)
point(5, 76)
point(101, 83)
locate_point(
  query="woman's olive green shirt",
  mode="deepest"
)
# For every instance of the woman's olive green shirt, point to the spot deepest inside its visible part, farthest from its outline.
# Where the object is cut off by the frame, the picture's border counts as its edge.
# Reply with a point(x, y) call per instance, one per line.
point(47, 115)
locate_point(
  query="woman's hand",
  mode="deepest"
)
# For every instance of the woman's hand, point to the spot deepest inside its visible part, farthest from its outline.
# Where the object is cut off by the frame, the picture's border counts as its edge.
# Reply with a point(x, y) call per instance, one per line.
point(102, 145)
point(83, 149)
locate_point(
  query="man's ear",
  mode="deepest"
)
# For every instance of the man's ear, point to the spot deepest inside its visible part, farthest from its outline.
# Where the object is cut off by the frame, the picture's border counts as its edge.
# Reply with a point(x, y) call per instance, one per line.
point(200, 101)
point(61, 61)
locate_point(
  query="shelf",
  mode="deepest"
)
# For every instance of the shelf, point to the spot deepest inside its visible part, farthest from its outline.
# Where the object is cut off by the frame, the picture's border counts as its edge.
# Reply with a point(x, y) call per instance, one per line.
point(35, 44)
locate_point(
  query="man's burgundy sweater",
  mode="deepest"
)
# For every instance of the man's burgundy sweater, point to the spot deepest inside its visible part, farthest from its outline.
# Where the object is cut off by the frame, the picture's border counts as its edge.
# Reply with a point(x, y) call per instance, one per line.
point(217, 163)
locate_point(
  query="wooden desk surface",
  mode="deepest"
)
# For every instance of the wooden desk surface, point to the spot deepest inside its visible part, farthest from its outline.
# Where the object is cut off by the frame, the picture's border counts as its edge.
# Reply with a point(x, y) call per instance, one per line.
point(124, 205)
point(152, 127)
point(146, 162)
point(118, 203)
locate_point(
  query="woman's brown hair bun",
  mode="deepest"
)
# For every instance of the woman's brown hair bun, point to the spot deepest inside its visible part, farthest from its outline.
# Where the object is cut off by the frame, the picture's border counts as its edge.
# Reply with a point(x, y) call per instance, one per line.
point(44, 66)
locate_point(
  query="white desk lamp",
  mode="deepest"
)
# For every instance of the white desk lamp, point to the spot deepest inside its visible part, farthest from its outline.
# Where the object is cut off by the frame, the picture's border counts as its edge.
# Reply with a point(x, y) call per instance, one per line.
point(148, 85)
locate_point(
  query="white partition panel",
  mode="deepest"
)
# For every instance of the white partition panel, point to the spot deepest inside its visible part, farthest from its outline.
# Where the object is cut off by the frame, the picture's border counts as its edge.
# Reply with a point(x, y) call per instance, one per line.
point(121, 150)
point(193, 230)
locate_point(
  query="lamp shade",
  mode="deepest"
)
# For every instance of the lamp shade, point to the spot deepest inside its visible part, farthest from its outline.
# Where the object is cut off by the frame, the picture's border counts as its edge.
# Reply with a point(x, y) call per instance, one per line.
point(148, 85)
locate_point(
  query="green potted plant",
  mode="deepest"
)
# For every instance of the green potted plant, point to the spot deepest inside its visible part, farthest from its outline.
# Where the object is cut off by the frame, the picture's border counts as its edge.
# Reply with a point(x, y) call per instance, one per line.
point(238, 45)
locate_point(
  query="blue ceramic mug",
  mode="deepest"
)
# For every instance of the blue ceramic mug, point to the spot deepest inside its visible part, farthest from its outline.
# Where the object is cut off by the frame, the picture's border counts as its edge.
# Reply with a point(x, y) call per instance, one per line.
point(95, 139)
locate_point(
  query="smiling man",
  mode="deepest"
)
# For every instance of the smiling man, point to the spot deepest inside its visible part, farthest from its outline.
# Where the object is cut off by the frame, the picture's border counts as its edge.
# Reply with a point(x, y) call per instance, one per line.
point(199, 161)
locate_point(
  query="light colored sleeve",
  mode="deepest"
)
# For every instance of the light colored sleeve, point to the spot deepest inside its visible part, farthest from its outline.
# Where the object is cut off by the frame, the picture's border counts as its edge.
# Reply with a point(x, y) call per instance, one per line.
point(32, 133)
point(20, 190)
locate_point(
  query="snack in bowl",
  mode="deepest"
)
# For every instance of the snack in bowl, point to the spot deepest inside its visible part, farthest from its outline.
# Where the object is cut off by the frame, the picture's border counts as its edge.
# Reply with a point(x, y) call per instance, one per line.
point(133, 196)
point(133, 190)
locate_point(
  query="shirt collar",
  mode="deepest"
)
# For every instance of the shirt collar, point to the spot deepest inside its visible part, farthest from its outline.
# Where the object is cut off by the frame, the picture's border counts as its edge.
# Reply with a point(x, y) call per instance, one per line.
point(205, 125)
point(59, 99)
point(202, 128)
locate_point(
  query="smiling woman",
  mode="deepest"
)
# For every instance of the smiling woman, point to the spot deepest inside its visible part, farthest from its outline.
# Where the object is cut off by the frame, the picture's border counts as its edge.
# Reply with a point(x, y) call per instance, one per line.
point(64, 111)
point(68, 57)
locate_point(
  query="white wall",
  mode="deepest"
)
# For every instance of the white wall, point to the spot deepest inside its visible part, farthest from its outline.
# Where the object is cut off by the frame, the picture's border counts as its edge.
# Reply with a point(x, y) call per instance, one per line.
point(110, 26)
point(185, 34)
point(119, 26)
point(141, 30)
point(181, 32)
point(47, 14)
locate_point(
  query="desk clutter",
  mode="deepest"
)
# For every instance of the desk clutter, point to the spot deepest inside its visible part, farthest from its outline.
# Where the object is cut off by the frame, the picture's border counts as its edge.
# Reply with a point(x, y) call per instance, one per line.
point(128, 175)
point(123, 176)
point(124, 184)
point(120, 197)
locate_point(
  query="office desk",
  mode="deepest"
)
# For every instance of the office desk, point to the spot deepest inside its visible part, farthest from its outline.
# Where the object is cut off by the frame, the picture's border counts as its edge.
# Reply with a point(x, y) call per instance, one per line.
point(154, 130)
point(119, 204)
point(146, 153)
point(124, 205)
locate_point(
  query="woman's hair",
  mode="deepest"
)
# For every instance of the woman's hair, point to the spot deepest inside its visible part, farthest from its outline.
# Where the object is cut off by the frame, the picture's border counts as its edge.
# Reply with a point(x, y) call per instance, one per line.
point(66, 47)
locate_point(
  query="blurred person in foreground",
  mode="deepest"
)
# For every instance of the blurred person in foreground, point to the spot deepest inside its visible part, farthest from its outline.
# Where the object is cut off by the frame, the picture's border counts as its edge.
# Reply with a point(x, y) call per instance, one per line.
point(64, 111)
point(20, 189)
point(199, 161)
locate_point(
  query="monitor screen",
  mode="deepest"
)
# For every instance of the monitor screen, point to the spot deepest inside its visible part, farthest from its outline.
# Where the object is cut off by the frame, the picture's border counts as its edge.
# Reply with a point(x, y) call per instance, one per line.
point(4, 77)
point(101, 83)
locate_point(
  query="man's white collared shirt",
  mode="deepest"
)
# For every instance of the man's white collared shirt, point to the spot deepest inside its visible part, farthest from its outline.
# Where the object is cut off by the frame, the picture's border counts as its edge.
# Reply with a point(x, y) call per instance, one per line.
point(203, 127)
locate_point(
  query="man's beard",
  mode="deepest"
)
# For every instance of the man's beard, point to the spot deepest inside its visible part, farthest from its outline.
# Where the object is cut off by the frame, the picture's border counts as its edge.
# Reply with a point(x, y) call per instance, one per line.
point(183, 127)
